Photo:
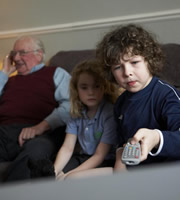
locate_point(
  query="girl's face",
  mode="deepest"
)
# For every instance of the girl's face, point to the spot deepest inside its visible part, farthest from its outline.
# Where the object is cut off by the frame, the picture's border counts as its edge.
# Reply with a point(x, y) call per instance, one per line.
point(90, 93)
point(132, 73)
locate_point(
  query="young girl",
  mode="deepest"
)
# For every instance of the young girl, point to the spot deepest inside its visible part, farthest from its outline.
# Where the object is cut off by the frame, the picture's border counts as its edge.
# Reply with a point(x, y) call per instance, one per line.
point(149, 110)
point(92, 122)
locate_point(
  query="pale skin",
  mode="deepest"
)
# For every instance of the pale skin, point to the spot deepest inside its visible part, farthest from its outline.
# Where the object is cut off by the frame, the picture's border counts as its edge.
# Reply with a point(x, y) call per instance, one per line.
point(23, 64)
point(91, 95)
point(119, 167)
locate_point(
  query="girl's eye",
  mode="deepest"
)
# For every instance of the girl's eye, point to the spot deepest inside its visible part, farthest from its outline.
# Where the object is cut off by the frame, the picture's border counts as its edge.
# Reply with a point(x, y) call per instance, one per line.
point(83, 87)
point(97, 86)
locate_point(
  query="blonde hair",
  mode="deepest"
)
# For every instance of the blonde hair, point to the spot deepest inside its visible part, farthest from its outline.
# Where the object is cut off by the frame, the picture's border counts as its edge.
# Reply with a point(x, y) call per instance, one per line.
point(94, 68)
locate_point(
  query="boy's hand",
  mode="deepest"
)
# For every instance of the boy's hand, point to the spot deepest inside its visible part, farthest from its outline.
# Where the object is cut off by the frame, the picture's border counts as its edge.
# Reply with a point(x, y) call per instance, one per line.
point(148, 139)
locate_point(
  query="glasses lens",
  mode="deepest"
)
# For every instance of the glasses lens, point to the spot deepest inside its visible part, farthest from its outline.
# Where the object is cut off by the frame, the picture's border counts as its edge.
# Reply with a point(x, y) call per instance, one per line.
point(21, 52)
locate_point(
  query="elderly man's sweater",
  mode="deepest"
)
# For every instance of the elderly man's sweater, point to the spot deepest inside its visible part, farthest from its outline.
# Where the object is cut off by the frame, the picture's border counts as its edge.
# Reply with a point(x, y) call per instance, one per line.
point(28, 99)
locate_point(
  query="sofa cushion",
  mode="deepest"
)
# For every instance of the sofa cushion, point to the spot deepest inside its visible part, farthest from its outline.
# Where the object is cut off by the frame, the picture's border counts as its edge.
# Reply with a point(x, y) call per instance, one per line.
point(68, 59)
point(171, 69)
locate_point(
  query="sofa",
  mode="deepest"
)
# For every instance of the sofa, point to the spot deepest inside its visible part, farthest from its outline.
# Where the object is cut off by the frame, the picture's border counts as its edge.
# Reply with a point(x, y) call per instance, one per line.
point(68, 59)
point(170, 72)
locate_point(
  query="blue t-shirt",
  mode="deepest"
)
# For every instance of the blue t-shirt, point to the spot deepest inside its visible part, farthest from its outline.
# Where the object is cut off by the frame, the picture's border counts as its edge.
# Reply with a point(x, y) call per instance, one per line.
point(90, 132)
point(157, 106)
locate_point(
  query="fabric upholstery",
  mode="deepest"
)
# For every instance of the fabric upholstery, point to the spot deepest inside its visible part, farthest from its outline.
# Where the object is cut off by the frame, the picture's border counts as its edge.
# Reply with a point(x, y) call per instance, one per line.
point(170, 72)
point(68, 59)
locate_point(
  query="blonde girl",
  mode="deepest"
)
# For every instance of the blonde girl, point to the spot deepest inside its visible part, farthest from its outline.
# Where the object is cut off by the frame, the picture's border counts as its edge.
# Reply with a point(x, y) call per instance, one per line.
point(91, 124)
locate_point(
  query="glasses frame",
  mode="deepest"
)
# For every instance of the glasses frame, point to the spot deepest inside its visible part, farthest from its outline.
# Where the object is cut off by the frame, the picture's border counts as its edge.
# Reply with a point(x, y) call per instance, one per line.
point(22, 52)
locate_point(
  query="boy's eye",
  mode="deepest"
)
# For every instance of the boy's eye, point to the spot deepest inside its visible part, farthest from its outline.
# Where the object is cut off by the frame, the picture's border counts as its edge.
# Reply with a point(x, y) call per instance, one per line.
point(117, 67)
point(134, 62)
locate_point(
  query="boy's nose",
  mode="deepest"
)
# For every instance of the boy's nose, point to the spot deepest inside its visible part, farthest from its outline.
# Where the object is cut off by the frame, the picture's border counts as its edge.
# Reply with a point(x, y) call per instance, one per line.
point(127, 70)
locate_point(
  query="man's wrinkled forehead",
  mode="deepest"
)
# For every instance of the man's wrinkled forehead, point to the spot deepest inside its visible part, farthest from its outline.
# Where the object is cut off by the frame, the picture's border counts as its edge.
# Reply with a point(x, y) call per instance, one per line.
point(24, 44)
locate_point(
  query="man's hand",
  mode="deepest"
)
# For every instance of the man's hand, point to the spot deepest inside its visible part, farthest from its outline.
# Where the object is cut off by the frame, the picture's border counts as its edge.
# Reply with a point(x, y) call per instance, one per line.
point(31, 132)
point(148, 139)
point(8, 68)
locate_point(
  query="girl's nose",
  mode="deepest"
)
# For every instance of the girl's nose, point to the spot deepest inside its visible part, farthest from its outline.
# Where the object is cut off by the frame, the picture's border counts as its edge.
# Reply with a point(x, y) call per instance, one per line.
point(90, 91)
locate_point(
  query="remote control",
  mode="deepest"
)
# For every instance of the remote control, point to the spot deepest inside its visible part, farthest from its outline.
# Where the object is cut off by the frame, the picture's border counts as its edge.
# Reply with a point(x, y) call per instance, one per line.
point(131, 154)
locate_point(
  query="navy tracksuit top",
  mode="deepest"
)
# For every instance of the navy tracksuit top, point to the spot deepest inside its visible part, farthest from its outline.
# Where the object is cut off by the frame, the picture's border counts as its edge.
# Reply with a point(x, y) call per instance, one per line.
point(155, 107)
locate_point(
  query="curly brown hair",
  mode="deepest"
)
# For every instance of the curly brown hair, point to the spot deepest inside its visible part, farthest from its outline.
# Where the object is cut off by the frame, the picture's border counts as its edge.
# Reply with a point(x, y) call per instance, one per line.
point(130, 38)
point(94, 68)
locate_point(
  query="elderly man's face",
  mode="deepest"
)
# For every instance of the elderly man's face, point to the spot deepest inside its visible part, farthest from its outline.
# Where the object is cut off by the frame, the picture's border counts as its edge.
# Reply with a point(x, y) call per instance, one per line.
point(26, 56)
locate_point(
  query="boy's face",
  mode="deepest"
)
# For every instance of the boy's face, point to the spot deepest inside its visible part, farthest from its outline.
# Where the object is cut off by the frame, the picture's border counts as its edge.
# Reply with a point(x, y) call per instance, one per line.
point(132, 73)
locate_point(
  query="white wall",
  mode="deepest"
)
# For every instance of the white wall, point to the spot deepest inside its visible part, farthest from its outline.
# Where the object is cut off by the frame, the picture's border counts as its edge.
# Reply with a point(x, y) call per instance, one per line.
point(80, 24)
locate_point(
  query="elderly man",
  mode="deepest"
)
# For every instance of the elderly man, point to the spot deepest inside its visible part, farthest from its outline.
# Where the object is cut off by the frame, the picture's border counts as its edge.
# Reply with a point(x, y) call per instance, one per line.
point(33, 104)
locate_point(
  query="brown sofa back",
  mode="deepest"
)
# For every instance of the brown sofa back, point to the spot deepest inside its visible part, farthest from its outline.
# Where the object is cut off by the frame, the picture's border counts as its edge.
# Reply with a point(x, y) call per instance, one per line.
point(68, 59)
point(171, 69)
point(170, 72)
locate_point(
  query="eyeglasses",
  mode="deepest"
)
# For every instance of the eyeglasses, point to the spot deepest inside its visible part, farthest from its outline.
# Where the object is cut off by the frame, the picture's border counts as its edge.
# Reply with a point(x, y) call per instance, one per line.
point(22, 52)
